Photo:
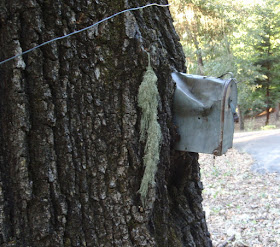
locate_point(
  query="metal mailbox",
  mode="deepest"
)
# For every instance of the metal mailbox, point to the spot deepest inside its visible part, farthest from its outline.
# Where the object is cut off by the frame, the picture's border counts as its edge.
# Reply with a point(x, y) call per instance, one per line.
point(204, 112)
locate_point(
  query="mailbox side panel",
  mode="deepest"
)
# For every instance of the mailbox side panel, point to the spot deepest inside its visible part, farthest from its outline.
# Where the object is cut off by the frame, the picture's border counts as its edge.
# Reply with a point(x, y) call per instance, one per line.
point(197, 112)
point(199, 133)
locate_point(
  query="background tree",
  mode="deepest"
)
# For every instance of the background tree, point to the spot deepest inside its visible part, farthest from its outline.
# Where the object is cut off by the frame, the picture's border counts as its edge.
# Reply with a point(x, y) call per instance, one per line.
point(71, 162)
point(233, 42)
point(267, 34)
point(204, 25)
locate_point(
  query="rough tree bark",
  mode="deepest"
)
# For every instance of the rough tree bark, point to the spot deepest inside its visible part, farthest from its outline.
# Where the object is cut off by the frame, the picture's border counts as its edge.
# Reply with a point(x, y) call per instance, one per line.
point(70, 158)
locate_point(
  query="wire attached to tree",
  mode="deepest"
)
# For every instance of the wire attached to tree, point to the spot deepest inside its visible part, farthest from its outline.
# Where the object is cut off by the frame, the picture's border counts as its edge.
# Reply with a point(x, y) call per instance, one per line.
point(81, 30)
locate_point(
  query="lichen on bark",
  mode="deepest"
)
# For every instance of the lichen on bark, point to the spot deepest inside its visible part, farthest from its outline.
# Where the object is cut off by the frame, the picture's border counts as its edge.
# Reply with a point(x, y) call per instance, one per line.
point(150, 132)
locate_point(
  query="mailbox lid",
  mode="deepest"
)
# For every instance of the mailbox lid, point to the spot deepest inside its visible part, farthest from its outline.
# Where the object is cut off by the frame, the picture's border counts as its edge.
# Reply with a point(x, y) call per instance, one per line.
point(195, 93)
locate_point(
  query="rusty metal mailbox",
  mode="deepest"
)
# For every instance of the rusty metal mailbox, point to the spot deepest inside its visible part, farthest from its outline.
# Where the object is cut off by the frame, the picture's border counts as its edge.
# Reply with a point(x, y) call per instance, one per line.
point(204, 112)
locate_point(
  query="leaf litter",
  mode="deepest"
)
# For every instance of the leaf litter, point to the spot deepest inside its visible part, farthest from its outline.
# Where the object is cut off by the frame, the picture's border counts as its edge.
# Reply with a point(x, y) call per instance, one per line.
point(242, 207)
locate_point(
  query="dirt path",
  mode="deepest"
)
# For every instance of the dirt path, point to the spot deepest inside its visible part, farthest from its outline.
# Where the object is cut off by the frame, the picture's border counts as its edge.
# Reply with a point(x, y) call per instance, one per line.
point(264, 146)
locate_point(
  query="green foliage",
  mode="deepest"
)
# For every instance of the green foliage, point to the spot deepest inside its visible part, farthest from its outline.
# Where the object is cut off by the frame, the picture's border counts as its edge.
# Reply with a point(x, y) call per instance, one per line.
point(150, 132)
point(268, 127)
point(267, 35)
point(200, 24)
point(239, 36)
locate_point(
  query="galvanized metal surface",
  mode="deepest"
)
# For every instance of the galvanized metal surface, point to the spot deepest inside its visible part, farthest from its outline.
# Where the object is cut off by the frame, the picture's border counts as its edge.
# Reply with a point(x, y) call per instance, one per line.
point(203, 113)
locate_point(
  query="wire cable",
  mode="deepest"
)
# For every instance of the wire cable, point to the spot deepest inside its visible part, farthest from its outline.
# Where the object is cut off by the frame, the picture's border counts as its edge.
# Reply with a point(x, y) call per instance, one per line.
point(83, 29)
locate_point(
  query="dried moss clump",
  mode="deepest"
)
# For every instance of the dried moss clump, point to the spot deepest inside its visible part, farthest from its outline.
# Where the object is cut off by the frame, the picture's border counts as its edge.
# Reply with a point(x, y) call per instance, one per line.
point(150, 132)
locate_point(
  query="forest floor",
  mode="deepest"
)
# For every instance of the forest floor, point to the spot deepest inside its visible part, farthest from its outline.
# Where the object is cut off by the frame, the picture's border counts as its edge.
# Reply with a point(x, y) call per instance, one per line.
point(258, 123)
point(242, 207)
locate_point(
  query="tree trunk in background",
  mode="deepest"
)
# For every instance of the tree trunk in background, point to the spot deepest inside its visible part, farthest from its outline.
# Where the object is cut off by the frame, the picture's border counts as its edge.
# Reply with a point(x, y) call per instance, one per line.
point(241, 118)
point(267, 102)
point(70, 158)
point(200, 64)
point(277, 111)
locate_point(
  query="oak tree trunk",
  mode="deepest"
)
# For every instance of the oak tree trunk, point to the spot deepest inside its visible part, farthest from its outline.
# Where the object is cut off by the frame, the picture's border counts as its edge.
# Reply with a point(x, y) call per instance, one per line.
point(70, 157)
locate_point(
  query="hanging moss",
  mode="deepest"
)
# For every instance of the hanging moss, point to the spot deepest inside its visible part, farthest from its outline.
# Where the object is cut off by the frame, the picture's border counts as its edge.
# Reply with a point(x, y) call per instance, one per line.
point(150, 132)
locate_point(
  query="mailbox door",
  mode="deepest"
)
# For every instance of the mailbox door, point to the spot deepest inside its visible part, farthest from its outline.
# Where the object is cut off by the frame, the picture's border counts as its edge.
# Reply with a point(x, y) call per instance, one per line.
point(227, 119)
